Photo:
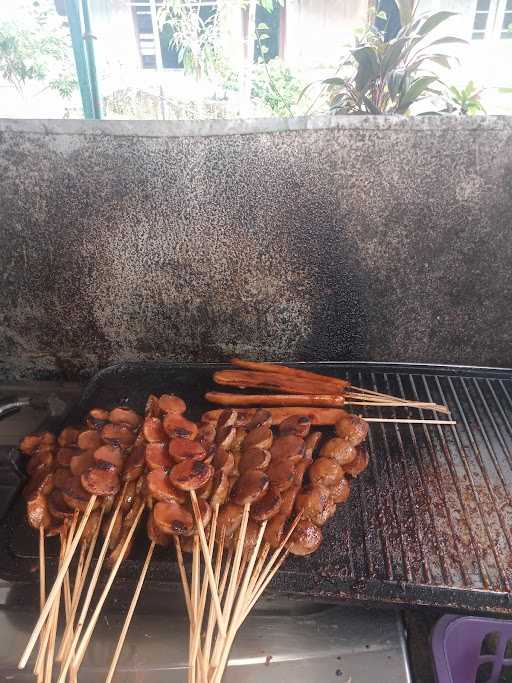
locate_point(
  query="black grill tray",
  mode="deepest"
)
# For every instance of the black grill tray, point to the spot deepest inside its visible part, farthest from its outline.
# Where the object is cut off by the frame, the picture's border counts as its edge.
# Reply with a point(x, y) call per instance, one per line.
point(429, 522)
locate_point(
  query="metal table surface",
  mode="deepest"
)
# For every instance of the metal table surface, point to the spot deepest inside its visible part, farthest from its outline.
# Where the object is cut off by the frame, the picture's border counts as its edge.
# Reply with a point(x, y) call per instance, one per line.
point(283, 640)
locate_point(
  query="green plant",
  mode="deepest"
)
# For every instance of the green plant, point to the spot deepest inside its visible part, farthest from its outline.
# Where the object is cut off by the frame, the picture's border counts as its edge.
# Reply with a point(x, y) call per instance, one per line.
point(465, 101)
point(276, 87)
point(34, 47)
point(378, 77)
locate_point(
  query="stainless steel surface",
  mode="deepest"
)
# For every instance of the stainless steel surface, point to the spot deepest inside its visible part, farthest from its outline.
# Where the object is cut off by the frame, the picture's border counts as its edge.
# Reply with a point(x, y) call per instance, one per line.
point(339, 644)
point(282, 641)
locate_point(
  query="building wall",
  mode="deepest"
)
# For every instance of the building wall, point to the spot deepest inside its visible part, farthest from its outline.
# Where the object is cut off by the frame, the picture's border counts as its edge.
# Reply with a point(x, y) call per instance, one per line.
point(352, 238)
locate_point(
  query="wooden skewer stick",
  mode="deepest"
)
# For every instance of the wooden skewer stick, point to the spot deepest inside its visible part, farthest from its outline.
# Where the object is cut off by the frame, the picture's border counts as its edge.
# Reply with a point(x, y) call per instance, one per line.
point(55, 591)
point(275, 555)
point(54, 614)
point(42, 594)
point(209, 569)
point(95, 615)
point(220, 588)
point(183, 576)
point(67, 584)
point(258, 569)
point(68, 633)
point(228, 604)
point(90, 591)
point(241, 603)
point(129, 616)
point(256, 596)
point(204, 588)
point(410, 422)
point(195, 608)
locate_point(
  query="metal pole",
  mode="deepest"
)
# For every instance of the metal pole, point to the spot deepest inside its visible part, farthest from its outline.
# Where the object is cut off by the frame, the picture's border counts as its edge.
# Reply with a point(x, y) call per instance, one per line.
point(82, 71)
point(91, 60)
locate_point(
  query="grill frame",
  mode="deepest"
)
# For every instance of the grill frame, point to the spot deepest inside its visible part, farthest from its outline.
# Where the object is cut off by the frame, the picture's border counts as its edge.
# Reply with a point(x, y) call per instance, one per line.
point(392, 543)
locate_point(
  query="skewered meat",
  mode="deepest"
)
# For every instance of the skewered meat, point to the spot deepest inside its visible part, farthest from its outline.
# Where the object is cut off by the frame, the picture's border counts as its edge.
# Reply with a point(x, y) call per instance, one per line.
point(97, 418)
point(310, 443)
point(33, 442)
point(118, 435)
point(281, 474)
point(360, 462)
point(261, 418)
point(89, 440)
point(111, 454)
point(64, 456)
point(129, 494)
point(74, 494)
point(190, 475)
point(159, 487)
point(68, 436)
point(101, 480)
point(40, 482)
point(206, 434)
point(227, 418)
point(181, 449)
point(338, 449)
point(298, 425)
point(204, 510)
point(254, 459)
point(225, 437)
point(306, 538)
point(341, 491)
point(318, 416)
point(152, 408)
point(91, 526)
point(134, 465)
point(169, 403)
point(125, 416)
point(60, 476)
point(288, 448)
point(220, 488)
point(157, 456)
point(177, 425)
point(340, 384)
point(80, 463)
point(316, 504)
point(173, 518)
point(288, 500)
point(260, 437)
point(250, 487)
point(267, 507)
point(37, 510)
point(153, 430)
point(284, 384)
point(230, 518)
point(224, 460)
point(325, 472)
point(279, 400)
point(57, 506)
point(154, 533)
point(352, 427)
point(274, 533)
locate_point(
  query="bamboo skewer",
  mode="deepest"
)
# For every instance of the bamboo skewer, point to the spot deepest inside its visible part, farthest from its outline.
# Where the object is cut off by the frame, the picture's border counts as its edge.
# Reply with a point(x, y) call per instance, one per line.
point(54, 614)
point(195, 606)
point(209, 569)
point(204, 588)
point(220, 589)
point(90, 591)
point(95, 615)
point(409, 421)
point(42, 596)
point(68, 633)
point(183, 576)
point(129, 615)
point(55, 591)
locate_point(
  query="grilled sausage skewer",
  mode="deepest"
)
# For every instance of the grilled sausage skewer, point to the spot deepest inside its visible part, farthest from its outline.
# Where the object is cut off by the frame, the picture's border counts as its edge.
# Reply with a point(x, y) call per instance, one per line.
point(290, 372)
point(282, 400)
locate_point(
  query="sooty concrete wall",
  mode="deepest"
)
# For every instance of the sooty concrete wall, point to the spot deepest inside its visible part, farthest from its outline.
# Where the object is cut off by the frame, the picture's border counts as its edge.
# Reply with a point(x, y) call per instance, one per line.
point(358, 238)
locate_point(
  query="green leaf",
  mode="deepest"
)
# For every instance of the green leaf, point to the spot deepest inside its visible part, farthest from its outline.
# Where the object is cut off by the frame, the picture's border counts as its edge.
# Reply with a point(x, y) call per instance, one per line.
point(264, 36)
point(382, 15)
point(334, 81)
point(262, 26)
point(368, 67)
point(371, 106)
point(446, 40)
point(442, 60)
point(505, 91)
point(264, 49)
point(407, 10)
point(414, 92)
point(267, 5)
point(393, 54)
point(433, 21)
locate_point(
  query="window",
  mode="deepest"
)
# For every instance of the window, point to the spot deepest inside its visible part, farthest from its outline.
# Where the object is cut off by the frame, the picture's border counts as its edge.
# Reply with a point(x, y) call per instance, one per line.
point(481, 19)
point(271, 45)
point(506, 26)
point(145, 16)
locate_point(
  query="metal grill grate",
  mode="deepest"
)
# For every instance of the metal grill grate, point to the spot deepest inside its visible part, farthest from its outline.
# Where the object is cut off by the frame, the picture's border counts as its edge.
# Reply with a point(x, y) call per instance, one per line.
point(428, 523)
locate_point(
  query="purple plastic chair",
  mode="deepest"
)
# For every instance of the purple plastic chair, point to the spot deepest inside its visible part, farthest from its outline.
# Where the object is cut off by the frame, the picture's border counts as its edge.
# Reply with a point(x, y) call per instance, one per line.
point(457, 643)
